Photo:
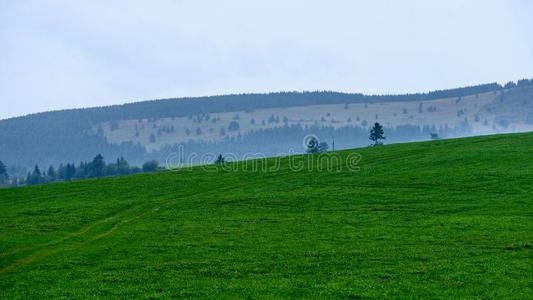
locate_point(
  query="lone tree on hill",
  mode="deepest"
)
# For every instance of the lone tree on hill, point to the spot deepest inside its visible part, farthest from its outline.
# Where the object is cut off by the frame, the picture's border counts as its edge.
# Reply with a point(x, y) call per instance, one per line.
point(376, 134)
point(219, 160)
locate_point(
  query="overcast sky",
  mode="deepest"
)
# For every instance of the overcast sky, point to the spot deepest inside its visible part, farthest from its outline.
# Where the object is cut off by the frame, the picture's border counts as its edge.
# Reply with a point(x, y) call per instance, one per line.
point(67, 54)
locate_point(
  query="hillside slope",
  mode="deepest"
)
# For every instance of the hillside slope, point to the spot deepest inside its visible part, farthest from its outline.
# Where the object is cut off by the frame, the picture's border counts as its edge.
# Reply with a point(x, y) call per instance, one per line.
point(267, 123)
point(438, 219)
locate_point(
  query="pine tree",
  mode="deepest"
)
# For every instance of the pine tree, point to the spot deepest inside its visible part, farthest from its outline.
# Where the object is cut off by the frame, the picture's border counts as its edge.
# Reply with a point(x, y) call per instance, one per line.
point(376, 134)
point(123, 167)
point(51, 174)
point(4, 177)
point(61, 172)
point(219, 160)
point(70, 172)
point(97, 166)
point(36, 177)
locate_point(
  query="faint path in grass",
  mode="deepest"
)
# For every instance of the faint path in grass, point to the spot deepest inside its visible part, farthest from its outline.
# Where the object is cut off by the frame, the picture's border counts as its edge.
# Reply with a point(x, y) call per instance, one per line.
point(43, 250)
point(71, 235)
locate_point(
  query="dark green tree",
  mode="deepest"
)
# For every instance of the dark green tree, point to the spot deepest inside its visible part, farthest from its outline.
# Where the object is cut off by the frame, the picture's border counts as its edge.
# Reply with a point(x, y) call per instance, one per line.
point(51, 174)
point(323, 147)
point(61, 172)
point(150, 166)
point(434, 136)
point(4, 177)
point(219, 160)
point(36, 177)
point(377, 134)
point(97, 167)
point(70, 172)
point(123, 168)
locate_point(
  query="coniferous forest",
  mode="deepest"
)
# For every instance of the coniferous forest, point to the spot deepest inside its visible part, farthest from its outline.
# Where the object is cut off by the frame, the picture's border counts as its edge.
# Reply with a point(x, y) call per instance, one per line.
point(96, 168)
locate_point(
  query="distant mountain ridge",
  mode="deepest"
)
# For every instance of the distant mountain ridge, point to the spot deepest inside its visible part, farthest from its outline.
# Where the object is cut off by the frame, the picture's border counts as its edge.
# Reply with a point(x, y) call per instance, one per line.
point(211, 104)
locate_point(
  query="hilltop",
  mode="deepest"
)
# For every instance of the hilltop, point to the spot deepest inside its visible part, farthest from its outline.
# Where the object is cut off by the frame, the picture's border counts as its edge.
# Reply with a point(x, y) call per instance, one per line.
point(443, 219)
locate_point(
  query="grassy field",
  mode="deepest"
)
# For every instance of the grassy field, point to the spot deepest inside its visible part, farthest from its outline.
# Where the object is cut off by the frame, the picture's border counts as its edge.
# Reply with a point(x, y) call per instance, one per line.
point(444, 219)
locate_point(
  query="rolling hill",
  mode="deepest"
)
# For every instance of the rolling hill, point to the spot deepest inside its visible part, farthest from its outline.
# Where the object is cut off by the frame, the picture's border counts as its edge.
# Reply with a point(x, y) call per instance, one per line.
point(271, 124)
point(444, 219)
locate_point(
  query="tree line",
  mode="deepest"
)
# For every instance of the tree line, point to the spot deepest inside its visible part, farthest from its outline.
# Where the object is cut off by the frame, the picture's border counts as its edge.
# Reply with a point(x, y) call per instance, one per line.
point(84, 170)
point(314, 146)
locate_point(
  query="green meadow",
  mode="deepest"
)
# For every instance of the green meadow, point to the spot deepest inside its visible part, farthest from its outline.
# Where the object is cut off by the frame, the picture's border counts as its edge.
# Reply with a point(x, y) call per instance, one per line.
point(442, 219)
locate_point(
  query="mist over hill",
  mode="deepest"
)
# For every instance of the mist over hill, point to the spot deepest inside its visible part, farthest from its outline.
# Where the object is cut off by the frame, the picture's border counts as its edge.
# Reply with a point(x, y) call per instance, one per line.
point(266, 124)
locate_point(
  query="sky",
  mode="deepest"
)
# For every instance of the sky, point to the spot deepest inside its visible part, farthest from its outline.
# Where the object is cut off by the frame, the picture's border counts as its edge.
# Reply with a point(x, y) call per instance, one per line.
point(59, 54)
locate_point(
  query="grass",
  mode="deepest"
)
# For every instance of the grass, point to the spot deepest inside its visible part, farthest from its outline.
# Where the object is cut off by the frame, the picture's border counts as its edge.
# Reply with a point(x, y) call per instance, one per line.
point(444, 219)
